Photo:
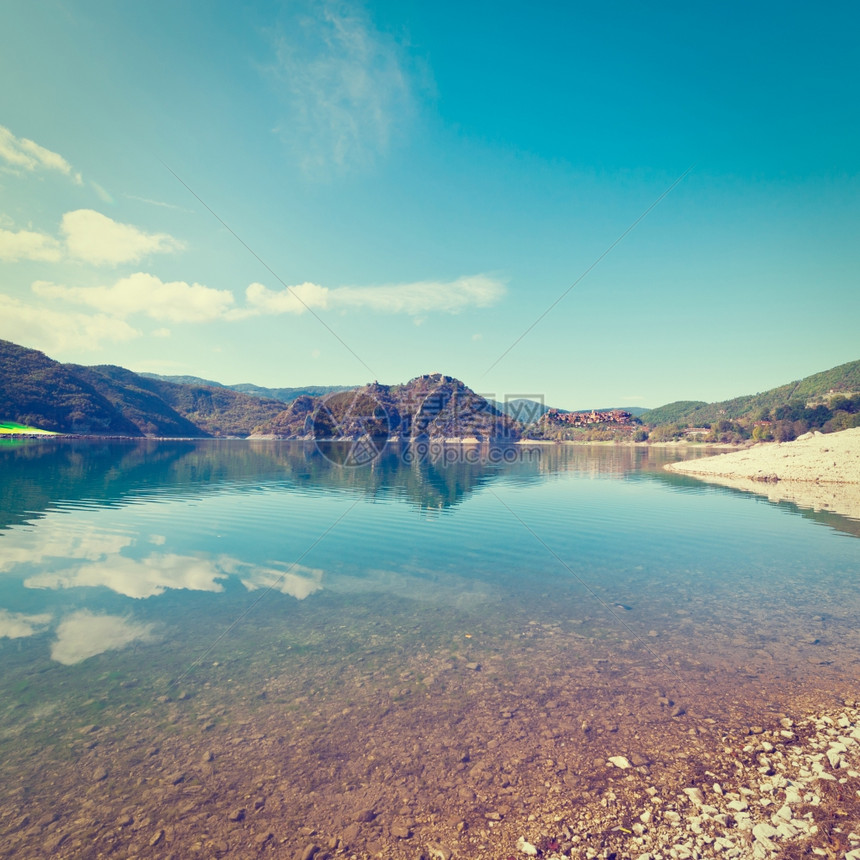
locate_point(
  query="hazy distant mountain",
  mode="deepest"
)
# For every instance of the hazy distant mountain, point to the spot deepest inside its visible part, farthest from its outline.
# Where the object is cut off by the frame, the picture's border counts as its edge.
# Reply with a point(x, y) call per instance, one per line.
point(184, 380)
point(523, 409)
point(637, 411)
point(288, 395)
point(528, 411)
point(285, 395)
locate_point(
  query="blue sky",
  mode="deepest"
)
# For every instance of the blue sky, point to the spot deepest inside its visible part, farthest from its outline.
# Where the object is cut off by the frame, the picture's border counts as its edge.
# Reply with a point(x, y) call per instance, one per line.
point(329, 193)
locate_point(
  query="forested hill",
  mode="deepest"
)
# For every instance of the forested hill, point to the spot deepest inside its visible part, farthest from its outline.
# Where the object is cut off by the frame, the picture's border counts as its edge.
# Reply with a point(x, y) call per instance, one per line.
point(827, 401)
point(844, 379)
point(111, 401)
point(40, 392)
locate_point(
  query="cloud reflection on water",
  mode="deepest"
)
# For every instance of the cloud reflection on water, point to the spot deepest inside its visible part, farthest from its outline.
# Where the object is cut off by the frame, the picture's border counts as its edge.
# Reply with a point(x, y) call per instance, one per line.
point(296, 580)
point(17, 625)
point(59, 540)
point(157, 573)
point(137, 578)
point(63, 558)
point(84, 634)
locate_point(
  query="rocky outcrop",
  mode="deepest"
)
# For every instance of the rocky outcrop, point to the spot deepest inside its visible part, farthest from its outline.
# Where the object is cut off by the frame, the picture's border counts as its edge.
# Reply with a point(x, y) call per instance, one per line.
point(430, 406)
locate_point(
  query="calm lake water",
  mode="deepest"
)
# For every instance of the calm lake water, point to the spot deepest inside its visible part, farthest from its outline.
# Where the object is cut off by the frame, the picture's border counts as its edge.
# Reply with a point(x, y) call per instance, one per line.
point(226, 648)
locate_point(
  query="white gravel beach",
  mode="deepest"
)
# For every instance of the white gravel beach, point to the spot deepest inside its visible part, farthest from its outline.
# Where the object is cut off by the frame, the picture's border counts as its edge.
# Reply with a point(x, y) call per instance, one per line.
point(816, 470)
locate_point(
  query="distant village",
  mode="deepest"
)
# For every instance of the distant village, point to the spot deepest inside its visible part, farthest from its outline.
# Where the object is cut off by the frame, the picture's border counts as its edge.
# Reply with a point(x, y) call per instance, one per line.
point(585, 419)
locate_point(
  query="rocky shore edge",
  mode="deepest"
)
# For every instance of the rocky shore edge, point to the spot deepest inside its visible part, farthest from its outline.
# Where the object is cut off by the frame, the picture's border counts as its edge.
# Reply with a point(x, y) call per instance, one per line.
point(817, 470)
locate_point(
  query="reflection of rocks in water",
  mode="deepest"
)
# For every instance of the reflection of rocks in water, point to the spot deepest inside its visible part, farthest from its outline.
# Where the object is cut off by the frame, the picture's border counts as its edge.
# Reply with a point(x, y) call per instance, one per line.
point(37, 475)
point(385, 729)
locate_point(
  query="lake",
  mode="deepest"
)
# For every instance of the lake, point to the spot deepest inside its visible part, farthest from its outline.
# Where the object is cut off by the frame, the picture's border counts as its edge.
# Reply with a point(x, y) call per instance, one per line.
point(225, 648)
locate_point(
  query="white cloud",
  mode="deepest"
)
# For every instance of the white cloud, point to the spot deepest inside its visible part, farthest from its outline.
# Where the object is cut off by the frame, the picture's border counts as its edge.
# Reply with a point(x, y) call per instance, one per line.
point(415, 298)
point(422, 297)
point(297, 581)
point(84, 634)
point(53, 331)
point(25, 154)
point(95, 238)
point(344, 83)
point(16, 625)
point(291, 300)
point(28, 245)
point(58, 541)
point(88, 236)
point(180, 302)
point(173, 301)
point(135, 578)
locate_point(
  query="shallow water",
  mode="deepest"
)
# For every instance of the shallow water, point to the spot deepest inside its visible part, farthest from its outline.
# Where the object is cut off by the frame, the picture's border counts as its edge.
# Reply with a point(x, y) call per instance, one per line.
point(242, 647)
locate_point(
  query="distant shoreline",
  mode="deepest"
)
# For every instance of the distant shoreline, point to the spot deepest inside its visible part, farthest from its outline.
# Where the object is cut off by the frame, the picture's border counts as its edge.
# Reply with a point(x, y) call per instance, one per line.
point(677, 443)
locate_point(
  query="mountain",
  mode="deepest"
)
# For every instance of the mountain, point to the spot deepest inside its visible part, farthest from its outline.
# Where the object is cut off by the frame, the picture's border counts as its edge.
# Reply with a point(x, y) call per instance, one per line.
point(430, 406)
point(185, 380)
point(216, 410)
point(635, 411)
point(107, 400)
point(134, 399)
point(285, 395)
point(844, 379)
point(40, 392)
point(522, 409)
point(111, 401)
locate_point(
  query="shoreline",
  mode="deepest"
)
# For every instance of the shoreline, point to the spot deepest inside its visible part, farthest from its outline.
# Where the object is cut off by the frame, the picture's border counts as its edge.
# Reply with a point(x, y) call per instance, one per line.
point(682, 444)
point(818, 471)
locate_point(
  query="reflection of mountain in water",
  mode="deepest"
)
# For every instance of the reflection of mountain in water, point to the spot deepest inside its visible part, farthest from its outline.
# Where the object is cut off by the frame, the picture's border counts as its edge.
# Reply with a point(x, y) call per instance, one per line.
point(40, 476)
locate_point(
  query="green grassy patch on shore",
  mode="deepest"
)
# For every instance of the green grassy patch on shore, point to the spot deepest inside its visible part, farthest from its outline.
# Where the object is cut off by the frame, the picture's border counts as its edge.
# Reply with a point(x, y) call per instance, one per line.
point(11, 427)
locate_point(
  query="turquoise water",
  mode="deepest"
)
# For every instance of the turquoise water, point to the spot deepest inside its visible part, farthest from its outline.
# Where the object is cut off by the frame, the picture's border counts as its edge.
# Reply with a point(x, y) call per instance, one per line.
point(260, 604)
